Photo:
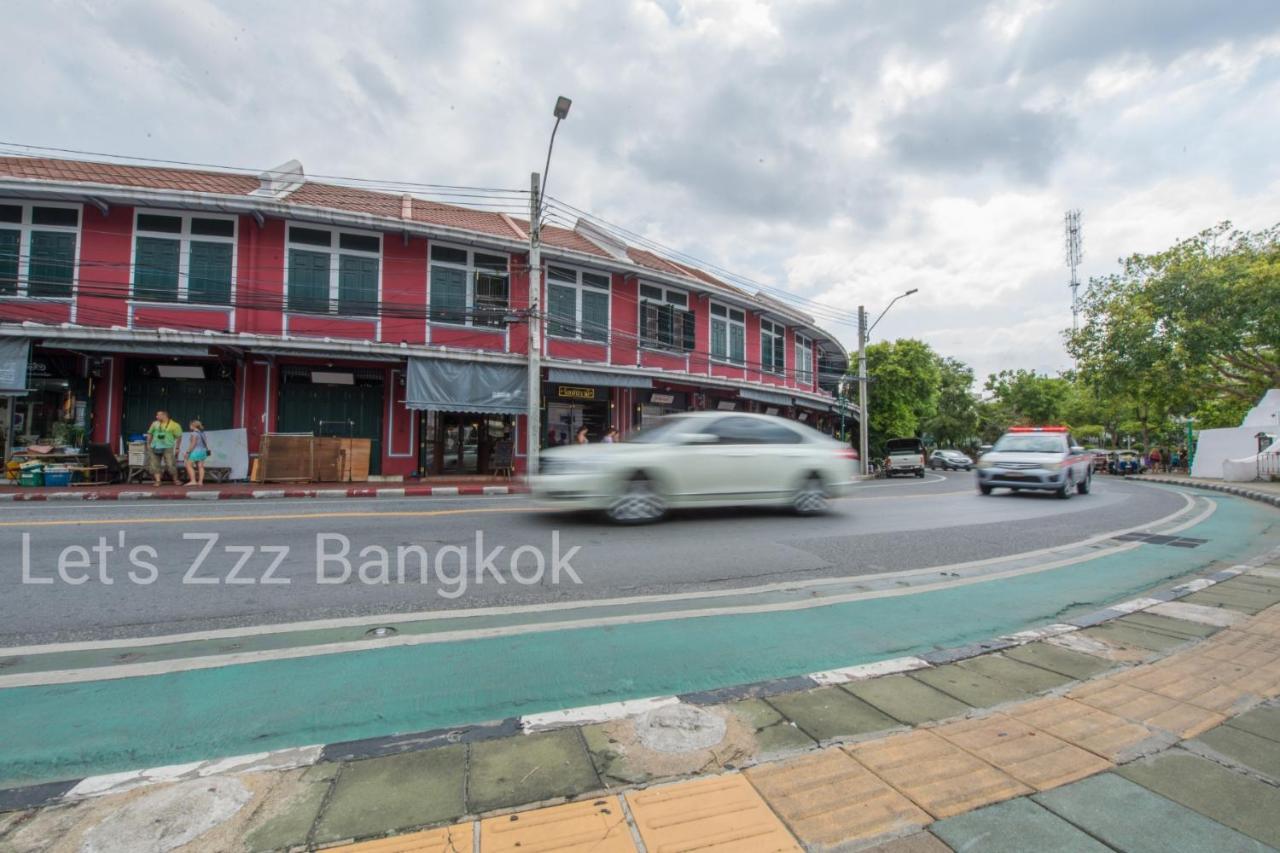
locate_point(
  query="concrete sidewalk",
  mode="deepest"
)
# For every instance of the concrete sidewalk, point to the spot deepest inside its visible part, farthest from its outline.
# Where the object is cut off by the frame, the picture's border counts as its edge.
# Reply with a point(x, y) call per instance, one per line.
point(1157, 728)
point(435, 487)
point(1258, 490)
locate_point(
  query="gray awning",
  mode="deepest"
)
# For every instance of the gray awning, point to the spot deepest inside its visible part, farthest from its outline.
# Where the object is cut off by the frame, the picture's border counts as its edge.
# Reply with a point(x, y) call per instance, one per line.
point(597, 377)
point(128, 347)
point(14, 353)
point(437, 385)
point(765, 397)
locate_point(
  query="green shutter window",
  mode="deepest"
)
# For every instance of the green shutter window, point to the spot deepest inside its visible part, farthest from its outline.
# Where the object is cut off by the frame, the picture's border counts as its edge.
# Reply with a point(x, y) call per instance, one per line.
point(562, 311)
point(719, 338)
point(779, 359)
point(308, 281)
point(9, 241)
point(53, 258)
point(209, 273)
point(595, 315)
point(737, 344)
point(448, 295)
point(155, 269)
point(357, 286)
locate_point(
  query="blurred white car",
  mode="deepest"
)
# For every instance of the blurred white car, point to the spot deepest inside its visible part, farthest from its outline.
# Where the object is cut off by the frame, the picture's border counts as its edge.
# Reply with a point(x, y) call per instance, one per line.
point(695, 460)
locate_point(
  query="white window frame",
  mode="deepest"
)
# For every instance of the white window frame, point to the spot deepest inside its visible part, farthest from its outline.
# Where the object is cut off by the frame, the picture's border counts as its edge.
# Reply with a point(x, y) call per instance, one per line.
point(335, 253)
point(184, 238)
point(667, 293)
point(472, 271)
point(24, 229)
point(578, 286)
point(804, 359)
point(729, 323)
point(777, 329)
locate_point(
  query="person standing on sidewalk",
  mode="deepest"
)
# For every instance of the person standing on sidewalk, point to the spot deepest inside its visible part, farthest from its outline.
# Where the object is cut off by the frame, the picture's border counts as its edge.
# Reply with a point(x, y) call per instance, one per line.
point(197, 453)
point(162, 445)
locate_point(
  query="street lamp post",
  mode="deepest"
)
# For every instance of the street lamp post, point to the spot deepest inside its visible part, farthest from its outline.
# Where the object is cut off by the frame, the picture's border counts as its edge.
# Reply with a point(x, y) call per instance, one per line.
point(864, 335)
point(537, 187)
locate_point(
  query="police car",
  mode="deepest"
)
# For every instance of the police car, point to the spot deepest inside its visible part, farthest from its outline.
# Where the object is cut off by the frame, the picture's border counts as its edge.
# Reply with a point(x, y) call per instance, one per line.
point(1040, 458)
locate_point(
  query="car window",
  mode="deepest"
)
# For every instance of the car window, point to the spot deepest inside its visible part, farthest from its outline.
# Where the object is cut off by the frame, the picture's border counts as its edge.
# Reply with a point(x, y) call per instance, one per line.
point(740, 430)
point(775, 433)
point(1031, 443)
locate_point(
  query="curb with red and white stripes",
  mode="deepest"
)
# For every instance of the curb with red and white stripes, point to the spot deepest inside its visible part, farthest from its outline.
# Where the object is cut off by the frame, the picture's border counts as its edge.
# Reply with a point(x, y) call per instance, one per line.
point(181, 493)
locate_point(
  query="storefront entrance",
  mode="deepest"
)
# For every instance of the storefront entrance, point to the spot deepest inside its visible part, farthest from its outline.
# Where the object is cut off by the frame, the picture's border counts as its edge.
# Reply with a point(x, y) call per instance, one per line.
point(334, 402)
point(571, 407)
point(203, 391)
point(461, 443)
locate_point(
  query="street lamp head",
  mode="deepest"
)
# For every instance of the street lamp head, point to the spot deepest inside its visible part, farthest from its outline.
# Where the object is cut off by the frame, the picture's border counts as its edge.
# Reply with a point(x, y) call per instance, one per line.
point(562, 107)
point(911, 291)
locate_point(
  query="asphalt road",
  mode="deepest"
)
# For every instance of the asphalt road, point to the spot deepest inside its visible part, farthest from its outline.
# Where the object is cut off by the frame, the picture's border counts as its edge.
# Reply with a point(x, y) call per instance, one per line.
point(884, 527)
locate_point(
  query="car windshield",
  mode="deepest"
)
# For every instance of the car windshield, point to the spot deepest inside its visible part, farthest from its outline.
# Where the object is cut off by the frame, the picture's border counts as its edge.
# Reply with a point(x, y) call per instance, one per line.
point(1030, 443)
point(661, 432)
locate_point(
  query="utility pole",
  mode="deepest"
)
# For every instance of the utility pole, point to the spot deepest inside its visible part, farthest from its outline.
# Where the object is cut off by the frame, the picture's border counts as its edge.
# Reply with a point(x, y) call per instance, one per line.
point(1075, 253)
point(533, 433)
point(864, 453)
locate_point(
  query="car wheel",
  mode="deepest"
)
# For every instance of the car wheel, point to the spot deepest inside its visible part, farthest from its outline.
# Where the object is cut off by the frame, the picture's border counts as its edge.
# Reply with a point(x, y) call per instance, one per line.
point(811, 498)
point(638, 502)
point(1068, 486)
point(983, 489)
point(1083, 487)
point(920, 473)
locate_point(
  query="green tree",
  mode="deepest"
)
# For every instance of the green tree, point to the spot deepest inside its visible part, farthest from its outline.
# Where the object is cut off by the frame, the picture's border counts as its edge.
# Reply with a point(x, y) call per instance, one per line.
point(955, 421)
point(1028, 397)
point(903, 392)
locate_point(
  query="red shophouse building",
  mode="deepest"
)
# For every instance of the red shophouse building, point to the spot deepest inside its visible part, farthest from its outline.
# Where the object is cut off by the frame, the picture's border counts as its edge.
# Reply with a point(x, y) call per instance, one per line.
point(279, 304)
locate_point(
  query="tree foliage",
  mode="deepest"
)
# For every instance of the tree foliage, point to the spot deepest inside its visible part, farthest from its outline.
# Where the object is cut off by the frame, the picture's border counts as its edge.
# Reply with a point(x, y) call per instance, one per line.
point(954, 422)
point(905, 378)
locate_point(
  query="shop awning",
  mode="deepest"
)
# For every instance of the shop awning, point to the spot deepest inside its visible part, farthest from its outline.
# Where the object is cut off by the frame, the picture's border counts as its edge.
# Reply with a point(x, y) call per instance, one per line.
point(14, 353)
point(597, 377)
point(128, 347)
point(438, 385)
point(765, 397)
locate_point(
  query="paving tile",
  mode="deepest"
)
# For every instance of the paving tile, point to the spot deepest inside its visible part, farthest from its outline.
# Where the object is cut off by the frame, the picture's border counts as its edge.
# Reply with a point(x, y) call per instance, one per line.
point(1150, 709)
point(907, 699)
point(1031, 756)
point(1216, 685)
point(1075, 722)
point(379, 795)
point(610, 758)
point(1014, 827)
point(1131, 818)
point(1215, 597)
point(291, 822)
point(598, 826)
point(774, 732)
point(528, 769)
point(1167, 625)
point(1256, 753)
point(921, 842)
point(1133, 636)
point(723, 812)
point(1017, 674)
point(829, 712)
point(828, 798)
point(1263, 722)
point(1077, 665)
point(446, 839)
point(970, 687)
point(1230, 798)
point(940, 777)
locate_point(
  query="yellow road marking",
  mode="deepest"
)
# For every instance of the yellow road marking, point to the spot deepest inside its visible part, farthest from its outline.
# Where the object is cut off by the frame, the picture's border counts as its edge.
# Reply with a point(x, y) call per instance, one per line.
point(214, 519)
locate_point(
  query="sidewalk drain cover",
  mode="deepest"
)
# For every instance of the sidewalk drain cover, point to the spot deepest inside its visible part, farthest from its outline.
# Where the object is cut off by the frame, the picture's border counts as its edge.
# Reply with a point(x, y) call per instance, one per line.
point(679, 728)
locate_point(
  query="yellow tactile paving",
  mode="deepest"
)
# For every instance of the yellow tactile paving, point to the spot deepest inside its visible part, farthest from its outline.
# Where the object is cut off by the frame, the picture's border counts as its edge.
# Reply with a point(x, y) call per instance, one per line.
point(937, 775)
point(446, 839)
point(1087, 727)
point(1152, 709)
point(828, 798)
point(599, 826)
point(722, 813)
point(1031, 756)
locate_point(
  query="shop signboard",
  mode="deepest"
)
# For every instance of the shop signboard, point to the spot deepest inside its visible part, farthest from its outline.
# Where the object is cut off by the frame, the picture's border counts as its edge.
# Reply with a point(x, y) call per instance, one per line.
point(576, 392)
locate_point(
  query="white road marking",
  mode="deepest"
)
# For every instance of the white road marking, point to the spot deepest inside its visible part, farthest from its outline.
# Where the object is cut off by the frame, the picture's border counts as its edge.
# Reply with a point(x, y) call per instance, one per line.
point(868, 670)
point(589, 714)
point(1219, 616)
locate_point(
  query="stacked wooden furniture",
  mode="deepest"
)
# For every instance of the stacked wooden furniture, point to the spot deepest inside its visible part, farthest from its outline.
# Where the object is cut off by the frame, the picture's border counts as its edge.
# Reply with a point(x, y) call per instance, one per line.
point(291, 458)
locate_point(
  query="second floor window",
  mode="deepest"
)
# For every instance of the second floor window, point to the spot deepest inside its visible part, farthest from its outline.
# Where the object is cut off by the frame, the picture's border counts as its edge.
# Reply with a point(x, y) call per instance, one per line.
point(665, 319)
point(38, 249)
point(728, 334)
point(577, 304)
point(182, 257)
point(773, 356)
point(469, 288)
point(804, 360)
point(333, 272)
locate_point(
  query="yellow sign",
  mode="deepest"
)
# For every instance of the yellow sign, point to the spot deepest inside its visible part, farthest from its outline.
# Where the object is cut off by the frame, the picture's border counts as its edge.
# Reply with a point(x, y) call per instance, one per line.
point(576, 392)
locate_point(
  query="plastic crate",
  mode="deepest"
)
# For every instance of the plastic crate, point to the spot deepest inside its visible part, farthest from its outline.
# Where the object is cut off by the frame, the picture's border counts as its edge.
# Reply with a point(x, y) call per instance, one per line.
point(32, 477)
point(57, 477)
point(138, 453)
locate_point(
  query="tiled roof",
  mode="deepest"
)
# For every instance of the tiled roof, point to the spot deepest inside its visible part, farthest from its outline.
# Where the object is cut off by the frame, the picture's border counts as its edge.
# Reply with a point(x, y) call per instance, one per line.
point(151, 177)
point(648, 259)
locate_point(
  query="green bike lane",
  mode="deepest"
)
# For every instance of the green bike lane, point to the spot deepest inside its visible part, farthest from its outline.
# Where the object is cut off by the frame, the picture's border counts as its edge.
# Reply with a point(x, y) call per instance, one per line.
point(71, 730)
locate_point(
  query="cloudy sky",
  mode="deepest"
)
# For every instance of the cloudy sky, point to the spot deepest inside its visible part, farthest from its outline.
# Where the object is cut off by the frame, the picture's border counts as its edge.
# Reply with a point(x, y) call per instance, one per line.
point(844, 151)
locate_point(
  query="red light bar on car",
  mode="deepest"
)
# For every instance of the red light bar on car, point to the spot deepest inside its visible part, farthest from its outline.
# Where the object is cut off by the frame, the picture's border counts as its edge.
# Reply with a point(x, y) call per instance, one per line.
point(1038, 429)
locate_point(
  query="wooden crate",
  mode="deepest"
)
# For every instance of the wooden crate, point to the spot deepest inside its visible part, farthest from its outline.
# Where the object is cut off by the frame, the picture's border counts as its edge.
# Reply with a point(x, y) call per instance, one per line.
point(287, 458)
point(354, 460)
